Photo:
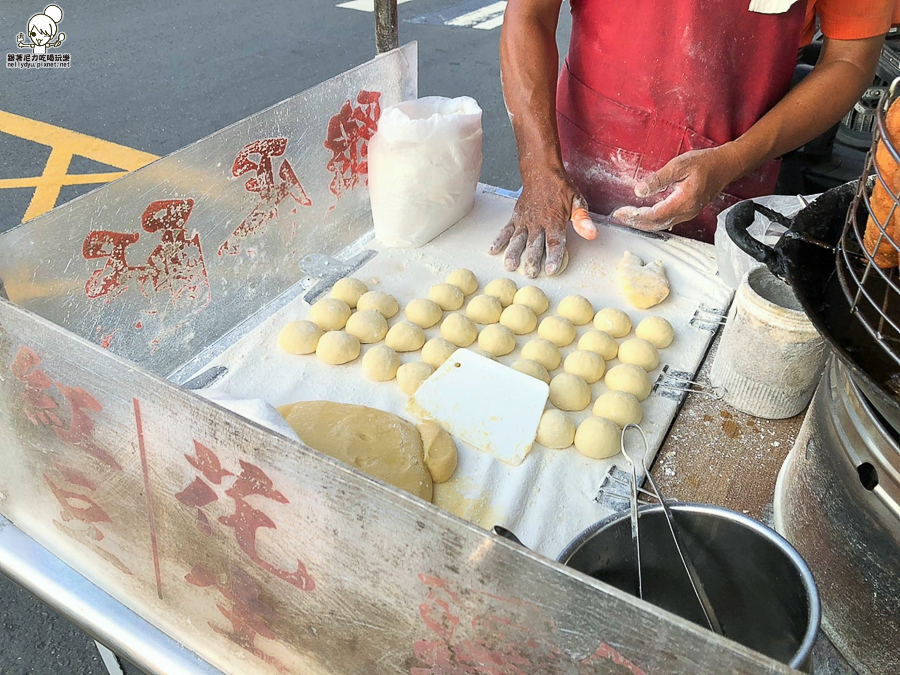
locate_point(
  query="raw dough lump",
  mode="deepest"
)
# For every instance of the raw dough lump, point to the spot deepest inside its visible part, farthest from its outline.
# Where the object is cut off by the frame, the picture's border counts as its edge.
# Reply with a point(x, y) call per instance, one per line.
point(600, 343)
point(348, 290)
point(483, 352)
point(640, 353)
point(459, 330)
point(381, 363)
point(484, 309)
point(520, 319)
point(502, 289)
point(569, 392)
point(556, 430)
point(300, 337)
point(558, 330)
point(613, 321)
point(367, 326)
point(598, 438)
point(577, 309)
point(619, 407)
point(544, 352)
point(375, 442)
point(533, 368)
point(656, 330)
point(630, 379)
point(337, 347)
point(436, 351)
point(447, 296)
point(642, 285)
point(405, 336)
point(411, 375)
point(464, 280)
point(423, 312)
point(587, 365)
point(496, 339)
point(440, 451)
point(330, 314)
point(380, 302)
point(534, 297)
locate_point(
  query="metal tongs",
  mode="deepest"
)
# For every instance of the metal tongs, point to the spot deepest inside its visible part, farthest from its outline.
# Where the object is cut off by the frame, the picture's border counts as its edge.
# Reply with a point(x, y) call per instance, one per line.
point(696, 584)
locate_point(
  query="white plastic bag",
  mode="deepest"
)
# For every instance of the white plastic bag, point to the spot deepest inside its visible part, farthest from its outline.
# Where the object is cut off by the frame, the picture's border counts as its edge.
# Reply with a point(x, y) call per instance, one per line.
point(424, 165)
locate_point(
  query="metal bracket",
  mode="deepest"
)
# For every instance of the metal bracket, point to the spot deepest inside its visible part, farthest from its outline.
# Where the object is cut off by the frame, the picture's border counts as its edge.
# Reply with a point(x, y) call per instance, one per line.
point(328, 270)
point(708, 319)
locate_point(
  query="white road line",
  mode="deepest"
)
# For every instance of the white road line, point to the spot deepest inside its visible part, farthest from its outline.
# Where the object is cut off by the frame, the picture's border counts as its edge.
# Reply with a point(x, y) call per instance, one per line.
point(365, 5)
point(485, 18)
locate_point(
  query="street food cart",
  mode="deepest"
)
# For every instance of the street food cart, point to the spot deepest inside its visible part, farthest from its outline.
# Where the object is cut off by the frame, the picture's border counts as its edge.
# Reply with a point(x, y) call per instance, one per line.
point(191, 539)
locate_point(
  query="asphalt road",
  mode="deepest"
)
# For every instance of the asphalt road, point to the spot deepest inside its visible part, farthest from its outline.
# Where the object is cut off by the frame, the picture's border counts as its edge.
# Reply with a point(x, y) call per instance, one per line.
point(161, 75)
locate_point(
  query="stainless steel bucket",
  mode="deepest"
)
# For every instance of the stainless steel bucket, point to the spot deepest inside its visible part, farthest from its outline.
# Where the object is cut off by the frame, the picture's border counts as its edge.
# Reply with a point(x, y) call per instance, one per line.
point(763, 592)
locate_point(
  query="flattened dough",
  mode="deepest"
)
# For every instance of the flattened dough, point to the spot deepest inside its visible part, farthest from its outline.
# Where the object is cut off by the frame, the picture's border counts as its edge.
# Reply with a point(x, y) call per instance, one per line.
point(644, 286)
point(440, 451)
point(373, 441)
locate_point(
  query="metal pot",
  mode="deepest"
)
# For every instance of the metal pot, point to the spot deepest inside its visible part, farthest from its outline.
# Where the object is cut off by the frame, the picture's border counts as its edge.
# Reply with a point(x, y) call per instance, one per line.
point(837, 500)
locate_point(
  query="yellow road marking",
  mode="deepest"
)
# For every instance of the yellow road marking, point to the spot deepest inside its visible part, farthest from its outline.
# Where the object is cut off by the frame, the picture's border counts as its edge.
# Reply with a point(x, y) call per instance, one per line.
point(64, 145)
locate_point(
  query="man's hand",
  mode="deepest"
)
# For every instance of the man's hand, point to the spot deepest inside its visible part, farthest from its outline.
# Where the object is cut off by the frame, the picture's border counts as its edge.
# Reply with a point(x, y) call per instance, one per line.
point(695, 179)
point(539, 222)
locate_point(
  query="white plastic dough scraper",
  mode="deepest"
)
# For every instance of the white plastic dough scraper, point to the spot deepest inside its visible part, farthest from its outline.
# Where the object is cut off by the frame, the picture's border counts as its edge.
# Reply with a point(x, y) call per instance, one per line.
point(484, 403)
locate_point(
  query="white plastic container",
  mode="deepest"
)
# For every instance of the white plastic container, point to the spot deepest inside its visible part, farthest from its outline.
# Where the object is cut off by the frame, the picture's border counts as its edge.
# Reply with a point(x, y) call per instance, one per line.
point(424, 166)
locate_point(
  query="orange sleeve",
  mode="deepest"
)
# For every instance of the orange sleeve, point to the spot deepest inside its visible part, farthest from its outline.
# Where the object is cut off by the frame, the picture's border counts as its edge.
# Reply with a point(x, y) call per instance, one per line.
point(851, 19)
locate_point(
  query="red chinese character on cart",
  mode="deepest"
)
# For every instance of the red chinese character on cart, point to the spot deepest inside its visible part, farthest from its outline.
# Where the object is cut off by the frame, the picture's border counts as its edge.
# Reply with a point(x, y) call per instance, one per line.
point(348, 138)
point(256, 158)
point(246, 519)
point(175, 266)
point(80, 514)
point(247, 612)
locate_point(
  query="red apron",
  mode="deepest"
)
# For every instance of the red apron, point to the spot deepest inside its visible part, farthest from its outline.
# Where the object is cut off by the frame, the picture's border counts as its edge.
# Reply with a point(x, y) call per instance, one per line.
point(646, 80)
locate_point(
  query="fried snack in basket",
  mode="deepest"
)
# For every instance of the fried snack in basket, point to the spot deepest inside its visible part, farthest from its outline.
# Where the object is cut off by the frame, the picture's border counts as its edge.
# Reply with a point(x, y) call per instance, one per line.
point(886, 255)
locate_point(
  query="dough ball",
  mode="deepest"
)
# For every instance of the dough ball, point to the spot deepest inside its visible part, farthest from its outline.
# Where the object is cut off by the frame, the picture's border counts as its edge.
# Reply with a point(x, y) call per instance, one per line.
point(447, 296)
point(520, 319)
point(619, 407)
point(577, 309)
point(496, 339)
point(630, 379)
point(440, 451)
point(600, 343)
point(613, 321)
point(502, 289)
point(569, 392)
point(380, 302)
point(368, 325)
point(348, 290)
point(300, 337)
point(558, 330)
point(587, 365)
point(556, 430)
point(436, 351)
point(533, 368)
point(380, 363)
point(423, 312)
point(640, 353)
point(330, 314)
point(405, 336)
point(656, 330)
point(598, 438)
point(411, 375)
point(337, 347)
point(482, 352)
point(542, 272)
point(534, 297)
point(544, 352)
point(484, 309)
point(464, 280)
point(459, 330)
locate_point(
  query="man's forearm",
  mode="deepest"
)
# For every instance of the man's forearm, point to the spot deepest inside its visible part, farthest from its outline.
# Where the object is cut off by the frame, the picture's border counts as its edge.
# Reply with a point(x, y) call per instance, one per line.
point(528, 69)
point(818, 102)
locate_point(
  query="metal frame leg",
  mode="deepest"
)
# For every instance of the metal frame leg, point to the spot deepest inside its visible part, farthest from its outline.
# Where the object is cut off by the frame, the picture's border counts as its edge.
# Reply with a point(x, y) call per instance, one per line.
point(110, 660)
point(386, 36)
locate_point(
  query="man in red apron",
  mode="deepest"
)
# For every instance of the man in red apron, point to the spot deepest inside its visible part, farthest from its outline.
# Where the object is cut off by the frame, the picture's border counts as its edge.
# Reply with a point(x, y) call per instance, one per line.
point(667, 111)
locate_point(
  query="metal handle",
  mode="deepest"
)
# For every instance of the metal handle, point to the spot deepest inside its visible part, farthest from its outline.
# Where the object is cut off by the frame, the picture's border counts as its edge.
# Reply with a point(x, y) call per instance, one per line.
point(386, 34)
point(737, 222)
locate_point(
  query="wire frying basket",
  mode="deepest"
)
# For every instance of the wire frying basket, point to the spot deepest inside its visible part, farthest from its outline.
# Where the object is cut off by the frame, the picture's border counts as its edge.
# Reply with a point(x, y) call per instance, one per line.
point(872, 291)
